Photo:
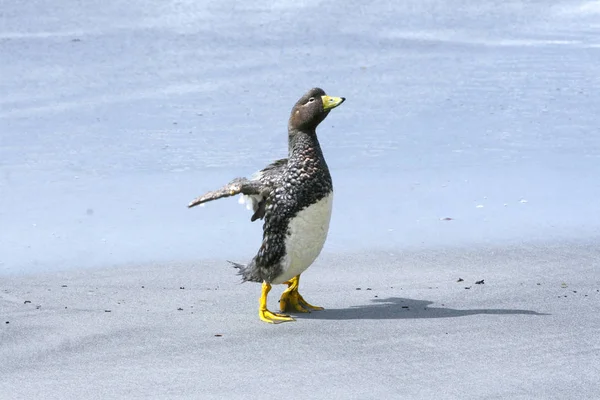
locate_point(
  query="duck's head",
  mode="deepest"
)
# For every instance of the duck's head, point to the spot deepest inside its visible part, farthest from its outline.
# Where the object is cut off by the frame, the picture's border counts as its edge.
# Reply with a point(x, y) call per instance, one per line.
point(311, 110)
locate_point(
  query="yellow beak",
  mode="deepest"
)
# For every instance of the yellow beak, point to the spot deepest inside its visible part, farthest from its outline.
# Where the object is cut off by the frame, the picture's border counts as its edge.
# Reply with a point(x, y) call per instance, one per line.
point(331, 102)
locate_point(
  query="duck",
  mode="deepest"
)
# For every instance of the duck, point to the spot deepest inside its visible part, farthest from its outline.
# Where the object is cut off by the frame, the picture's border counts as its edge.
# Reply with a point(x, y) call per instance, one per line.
point(294, 198)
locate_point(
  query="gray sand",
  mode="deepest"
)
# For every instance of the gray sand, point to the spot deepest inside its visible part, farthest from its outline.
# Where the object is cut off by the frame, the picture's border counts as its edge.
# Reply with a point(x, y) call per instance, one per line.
point(395, 326)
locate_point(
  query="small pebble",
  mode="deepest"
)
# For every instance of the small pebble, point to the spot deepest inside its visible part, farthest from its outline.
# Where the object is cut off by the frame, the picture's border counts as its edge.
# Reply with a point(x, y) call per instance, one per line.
point(481, 282)
point(180, 309)
point(460, 280)
point(107, 310)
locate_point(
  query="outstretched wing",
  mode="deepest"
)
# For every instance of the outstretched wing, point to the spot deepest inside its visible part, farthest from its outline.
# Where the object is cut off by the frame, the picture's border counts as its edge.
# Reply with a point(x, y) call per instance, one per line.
point(267, 177)
point(256, 190)
point(271, 174)
point(236, 186)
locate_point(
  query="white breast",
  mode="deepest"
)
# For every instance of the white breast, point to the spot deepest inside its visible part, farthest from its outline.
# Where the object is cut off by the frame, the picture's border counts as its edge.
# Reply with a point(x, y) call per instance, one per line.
point(307, 234)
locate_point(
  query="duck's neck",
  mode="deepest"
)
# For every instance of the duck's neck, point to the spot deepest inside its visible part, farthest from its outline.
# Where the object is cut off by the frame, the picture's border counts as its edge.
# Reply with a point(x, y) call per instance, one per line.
point(307, 164)
point(304, 143)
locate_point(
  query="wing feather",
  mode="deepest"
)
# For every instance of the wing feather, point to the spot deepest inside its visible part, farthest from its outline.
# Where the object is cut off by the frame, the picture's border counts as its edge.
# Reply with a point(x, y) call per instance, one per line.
point(255, 190)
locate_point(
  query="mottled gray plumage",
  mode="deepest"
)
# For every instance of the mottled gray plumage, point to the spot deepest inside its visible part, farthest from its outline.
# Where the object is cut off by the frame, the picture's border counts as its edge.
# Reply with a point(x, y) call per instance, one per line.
point(284, 188)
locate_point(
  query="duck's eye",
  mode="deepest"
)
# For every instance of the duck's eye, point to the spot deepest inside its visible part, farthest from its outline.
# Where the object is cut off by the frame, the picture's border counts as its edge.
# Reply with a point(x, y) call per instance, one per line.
point(311, 99)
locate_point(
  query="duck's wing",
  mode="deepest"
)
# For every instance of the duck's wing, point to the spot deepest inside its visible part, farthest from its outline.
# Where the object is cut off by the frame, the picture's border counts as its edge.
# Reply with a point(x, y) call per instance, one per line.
point(269, 178)
point(271, 174)
point(236, 186)
point(255, 190)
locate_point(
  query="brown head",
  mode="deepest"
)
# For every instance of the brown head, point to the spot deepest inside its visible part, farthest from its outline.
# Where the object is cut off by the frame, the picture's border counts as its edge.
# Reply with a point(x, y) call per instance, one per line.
point(311, 110)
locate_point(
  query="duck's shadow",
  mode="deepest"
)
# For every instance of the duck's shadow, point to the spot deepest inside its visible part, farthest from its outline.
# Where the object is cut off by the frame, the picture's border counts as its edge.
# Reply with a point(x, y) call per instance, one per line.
point(401, 308)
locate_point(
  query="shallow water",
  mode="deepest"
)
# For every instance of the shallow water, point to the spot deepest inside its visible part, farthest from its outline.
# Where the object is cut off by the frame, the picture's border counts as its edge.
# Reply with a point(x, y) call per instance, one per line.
point(115, 116)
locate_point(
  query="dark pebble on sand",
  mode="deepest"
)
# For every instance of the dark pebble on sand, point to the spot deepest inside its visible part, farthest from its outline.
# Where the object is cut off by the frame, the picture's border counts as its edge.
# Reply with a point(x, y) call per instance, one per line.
point(467, 287)
point(460, 280)
point(107, 310)
point(481, 282)
point(218, 335)
point(181, 287)
point(8, 322)
point(180, 309)
point(27, 302)
point(64, 286)
point(358, 288)
point(404, 306)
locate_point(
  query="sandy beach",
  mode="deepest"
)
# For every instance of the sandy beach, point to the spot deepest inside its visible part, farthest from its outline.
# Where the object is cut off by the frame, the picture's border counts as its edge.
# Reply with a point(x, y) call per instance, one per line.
point(395, 326)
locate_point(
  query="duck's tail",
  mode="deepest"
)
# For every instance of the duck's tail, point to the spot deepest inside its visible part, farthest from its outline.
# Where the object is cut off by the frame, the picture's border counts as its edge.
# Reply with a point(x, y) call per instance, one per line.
point(247, 272)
